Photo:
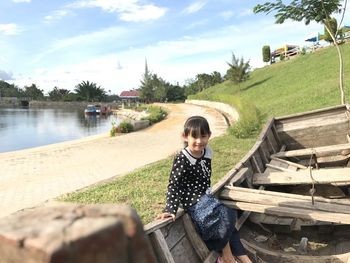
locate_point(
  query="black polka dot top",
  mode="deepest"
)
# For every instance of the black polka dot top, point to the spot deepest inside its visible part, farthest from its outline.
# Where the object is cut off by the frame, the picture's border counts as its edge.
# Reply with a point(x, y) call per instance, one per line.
point(189, 179)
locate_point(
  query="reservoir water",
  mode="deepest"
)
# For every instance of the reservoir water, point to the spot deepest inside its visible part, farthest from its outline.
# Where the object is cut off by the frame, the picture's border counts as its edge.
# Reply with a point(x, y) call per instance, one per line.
point(22, 128)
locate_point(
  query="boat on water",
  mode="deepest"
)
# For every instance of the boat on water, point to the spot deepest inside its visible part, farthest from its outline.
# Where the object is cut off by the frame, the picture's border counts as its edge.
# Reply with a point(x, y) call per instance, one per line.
point(90, 110)
point(291, 191)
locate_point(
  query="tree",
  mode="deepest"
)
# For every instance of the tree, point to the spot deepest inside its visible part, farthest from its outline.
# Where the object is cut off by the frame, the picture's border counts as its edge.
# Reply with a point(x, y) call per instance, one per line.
point(309, 10)
point(239, 70)
point(33, 92)
point(175, 93)
point(146, 88)
point(58, 94)
point(160, 87)
point(333, 25)
point(9, 90)
point(89, 91)
point(266, 53)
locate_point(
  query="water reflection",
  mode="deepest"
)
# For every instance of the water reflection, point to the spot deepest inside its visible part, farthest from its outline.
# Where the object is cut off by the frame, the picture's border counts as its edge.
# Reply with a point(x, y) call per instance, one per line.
point(25, 128)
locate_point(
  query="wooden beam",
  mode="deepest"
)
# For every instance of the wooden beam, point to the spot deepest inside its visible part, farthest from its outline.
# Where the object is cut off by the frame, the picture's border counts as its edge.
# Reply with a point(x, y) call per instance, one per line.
point(289, 163)
point(243, 191)
point(322, 176)
point(291, 212)
point(239, 177)
point(281, 256)
point(283, 200)
point(196, 241)
point(245, 215)
point(324, 150)
point(161, 248)
point(279, 168)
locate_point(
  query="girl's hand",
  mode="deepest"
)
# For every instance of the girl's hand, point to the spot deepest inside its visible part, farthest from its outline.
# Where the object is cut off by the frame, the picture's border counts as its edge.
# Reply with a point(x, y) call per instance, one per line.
point(166, 215)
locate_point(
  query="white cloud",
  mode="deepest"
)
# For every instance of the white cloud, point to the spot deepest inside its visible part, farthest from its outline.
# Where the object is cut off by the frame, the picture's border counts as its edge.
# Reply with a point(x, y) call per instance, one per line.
point(142, 13)
point(245, 12)
point(128, 10)
point(197, 24)
point(85, 38)
point(56, 15)
point(226, 14)
point(194, 7)
point(9, 29)
point(21, 1)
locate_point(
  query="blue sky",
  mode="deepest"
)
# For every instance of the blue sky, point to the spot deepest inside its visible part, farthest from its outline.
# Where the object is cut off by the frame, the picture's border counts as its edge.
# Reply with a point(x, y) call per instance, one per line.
point(63, 42)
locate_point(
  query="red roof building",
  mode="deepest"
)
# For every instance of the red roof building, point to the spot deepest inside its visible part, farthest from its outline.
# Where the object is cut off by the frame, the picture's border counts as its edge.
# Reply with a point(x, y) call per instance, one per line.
point(131, 94)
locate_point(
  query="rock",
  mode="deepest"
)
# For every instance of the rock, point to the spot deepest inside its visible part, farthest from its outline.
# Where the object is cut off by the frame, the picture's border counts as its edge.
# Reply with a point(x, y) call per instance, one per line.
point(74, 233)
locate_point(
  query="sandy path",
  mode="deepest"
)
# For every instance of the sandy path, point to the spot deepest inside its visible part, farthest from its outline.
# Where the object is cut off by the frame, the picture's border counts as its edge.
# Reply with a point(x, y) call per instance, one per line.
point(30, 177)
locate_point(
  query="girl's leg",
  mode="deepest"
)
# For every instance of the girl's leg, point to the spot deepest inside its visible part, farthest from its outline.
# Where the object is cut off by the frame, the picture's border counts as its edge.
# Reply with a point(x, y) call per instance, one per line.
point(244, 259)
point(237, 248)
point(227, 256)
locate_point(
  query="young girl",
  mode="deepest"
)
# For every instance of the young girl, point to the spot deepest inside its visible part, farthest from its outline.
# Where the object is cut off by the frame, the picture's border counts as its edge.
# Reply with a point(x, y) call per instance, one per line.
point(189, 186)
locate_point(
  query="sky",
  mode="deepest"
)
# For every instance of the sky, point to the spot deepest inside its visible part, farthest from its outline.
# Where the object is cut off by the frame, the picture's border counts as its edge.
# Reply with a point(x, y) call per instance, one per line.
point(60, 43)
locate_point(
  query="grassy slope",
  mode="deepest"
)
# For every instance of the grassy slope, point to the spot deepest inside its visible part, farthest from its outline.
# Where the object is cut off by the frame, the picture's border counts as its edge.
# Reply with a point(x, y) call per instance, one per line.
point(300, 84)
point(303, 83)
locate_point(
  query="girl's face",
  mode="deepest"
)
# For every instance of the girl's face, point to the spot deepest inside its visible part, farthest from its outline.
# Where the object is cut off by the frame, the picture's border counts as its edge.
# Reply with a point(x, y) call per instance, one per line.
point(196, 144)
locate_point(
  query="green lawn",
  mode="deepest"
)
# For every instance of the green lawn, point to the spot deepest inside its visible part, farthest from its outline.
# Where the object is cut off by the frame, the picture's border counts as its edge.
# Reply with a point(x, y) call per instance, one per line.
point(303, 83)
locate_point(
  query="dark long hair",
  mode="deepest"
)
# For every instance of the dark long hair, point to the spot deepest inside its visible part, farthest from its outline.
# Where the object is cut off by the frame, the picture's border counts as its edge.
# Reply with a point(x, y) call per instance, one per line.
point(196, 126)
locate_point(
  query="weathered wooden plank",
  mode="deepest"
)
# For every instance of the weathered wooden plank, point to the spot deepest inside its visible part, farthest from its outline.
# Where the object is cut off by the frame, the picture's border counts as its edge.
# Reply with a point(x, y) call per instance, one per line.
point(279, 168)
point(326, 159)
point(324, 150)
point(288, 162)
point(258, 164)
point(245, 215)
point(271, 141)
point(291, 212)
point(283, 200)
point(274, 256)
point(239, 177)
point(196, 241)
point(316, 136)
point(322, 176)
point(161, 248)
point(265, 151)
point(262, 192)
point(173, 233)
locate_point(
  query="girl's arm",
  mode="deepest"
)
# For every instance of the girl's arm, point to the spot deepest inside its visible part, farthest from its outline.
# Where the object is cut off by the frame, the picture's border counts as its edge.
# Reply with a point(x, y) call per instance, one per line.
point(174, 187)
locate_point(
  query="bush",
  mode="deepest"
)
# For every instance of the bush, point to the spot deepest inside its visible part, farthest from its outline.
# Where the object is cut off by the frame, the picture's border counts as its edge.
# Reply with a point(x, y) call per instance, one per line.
point(266, 52)
point(156, 114)
point(125, 127)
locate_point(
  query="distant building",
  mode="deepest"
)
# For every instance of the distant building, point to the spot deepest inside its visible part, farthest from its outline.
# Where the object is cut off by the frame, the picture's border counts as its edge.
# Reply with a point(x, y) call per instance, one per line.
point(131, 94)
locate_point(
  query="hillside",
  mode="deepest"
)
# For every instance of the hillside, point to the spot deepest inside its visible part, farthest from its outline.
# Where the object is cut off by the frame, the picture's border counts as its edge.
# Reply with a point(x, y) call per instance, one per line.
point(303, 83)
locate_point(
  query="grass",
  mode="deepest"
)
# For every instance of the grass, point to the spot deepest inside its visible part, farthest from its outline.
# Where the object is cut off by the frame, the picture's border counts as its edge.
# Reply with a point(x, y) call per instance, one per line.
point(145, 188)
point(303, 83)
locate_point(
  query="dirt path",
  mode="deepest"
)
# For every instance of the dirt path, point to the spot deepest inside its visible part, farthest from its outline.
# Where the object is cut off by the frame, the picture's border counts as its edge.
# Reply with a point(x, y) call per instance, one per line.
point(33, 176)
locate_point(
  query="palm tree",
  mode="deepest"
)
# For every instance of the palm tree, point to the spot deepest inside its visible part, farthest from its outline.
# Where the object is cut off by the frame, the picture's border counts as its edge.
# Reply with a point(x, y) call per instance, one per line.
point(238, 71)
point(89, 91)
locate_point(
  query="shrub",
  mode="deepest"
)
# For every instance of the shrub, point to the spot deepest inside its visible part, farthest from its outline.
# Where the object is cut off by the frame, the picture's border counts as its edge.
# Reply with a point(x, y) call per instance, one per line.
point(266, 52)
point(125, 127)
point(156, 114)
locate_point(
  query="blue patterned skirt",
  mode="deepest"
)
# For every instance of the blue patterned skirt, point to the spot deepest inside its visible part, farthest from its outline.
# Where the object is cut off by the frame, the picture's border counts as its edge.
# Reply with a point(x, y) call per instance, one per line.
point(214, 222)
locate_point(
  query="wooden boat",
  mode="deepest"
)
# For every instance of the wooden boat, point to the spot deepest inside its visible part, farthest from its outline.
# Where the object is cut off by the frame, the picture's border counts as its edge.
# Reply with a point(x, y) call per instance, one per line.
point(291, 191)
point(90, 110)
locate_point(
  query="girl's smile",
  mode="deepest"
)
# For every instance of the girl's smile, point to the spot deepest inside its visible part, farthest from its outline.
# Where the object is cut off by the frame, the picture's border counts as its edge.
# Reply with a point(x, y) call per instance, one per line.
point(197, 144)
